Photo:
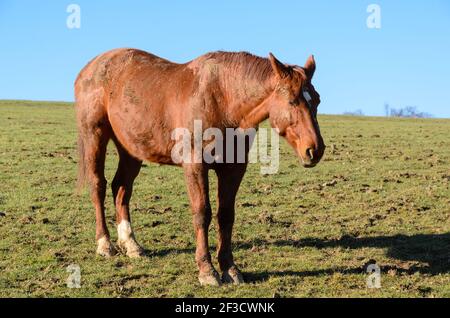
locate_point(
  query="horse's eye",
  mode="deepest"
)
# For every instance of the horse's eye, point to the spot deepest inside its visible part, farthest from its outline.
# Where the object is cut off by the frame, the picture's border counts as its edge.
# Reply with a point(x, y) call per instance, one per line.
point(307, 96)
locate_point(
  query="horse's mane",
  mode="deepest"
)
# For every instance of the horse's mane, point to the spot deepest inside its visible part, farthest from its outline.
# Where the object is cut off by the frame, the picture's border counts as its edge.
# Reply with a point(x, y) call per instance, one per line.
point(244, 63)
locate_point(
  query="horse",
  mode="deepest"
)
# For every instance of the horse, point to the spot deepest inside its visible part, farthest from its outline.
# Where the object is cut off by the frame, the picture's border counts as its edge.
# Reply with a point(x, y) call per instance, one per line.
point(136, 99)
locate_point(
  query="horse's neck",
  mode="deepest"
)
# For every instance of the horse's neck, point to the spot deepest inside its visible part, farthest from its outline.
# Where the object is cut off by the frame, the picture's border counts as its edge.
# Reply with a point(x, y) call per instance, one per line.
point(246, 100)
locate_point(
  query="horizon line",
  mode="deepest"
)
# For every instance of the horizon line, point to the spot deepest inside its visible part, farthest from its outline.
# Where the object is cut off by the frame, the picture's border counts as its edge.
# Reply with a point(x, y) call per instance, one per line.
point(327, 114)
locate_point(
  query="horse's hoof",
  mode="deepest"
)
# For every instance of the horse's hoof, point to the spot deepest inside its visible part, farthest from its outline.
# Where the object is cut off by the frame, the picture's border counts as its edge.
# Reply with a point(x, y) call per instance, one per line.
point(105, 248)
point(131, 248)
point(136, 252)
point(233, 276)
point(210, 278)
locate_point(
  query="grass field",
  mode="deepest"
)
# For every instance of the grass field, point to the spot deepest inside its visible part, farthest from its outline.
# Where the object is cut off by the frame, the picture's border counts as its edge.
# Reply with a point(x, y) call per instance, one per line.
point(380, 194)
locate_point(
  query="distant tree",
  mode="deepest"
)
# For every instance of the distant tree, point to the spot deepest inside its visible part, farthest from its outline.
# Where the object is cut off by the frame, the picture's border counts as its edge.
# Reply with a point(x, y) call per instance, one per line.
point(409, 112)
point(357, 112)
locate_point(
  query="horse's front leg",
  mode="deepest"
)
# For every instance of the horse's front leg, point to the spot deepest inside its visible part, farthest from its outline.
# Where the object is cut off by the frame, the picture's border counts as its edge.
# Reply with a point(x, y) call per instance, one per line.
point(229, 179)
point(197, 186)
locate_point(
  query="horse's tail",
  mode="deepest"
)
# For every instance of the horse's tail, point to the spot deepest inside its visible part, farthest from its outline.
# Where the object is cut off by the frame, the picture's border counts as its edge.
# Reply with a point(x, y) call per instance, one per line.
point(81, 179)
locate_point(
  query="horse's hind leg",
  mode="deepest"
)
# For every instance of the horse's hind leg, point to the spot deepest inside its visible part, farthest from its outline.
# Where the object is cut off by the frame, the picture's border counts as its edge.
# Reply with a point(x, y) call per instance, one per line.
point(95, 138)
point(122, 188)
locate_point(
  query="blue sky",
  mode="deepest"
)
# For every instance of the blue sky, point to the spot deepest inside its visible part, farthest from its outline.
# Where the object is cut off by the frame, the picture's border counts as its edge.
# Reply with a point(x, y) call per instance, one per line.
point(405, 63)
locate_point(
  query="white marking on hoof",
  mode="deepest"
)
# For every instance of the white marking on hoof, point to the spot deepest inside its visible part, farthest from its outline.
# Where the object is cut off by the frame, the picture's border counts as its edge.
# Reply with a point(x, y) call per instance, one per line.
point(105, 248)
point(126, 240)
point(210, 278)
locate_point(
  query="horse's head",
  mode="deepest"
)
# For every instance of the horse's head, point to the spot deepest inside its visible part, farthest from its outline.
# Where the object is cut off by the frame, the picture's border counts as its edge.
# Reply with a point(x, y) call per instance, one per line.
point(293, 109)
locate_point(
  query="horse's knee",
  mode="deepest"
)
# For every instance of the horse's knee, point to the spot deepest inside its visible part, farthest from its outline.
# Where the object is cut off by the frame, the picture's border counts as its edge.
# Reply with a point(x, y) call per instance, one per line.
point(98, 185)
point(202, 216)
point(100, 182)
point(225, 216)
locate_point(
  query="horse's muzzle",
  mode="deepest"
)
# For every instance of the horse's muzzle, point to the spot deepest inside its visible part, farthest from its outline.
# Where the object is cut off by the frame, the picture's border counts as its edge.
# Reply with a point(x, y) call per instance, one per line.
point(311, 157)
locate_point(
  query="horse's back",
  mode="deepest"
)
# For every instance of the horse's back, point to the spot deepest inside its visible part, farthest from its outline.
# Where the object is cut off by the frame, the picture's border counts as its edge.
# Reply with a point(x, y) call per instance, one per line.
point(138, 95)
point(106, 68)
point(119, 76)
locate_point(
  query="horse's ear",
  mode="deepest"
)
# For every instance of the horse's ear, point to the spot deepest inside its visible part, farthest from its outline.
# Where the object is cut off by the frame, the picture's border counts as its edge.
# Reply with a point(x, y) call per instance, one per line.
point(310, 66)
point(281, 71)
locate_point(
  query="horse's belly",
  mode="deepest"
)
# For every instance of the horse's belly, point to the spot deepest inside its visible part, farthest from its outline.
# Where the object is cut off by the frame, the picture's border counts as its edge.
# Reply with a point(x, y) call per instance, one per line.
point(144, 137)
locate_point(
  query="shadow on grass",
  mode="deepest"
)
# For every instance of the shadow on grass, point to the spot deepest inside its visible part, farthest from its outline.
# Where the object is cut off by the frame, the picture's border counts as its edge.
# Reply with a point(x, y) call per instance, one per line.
point(257, 277)
point(430, 251)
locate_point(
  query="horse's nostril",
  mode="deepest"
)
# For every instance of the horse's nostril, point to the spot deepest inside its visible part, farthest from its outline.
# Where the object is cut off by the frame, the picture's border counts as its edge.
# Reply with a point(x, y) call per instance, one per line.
point(310, 153)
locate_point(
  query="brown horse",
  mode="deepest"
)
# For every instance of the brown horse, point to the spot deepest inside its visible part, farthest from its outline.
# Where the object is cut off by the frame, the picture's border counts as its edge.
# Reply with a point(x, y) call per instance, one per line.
point(137, 99)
